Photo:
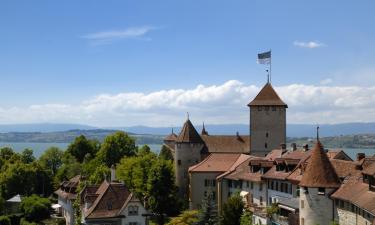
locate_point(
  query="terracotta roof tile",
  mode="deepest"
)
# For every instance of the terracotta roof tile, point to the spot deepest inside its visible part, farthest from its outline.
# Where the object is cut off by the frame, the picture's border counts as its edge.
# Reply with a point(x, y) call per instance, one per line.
point(216, 162)
point(345, 168)
point(189, 134)
point(227, 143)
point(319, 171)
point(171, 137)
point(267, 96)
point(370, 170)
point(357, 192)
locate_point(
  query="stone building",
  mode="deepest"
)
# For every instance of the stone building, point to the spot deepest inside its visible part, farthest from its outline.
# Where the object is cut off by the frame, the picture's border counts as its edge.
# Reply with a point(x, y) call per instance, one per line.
point(267, 121)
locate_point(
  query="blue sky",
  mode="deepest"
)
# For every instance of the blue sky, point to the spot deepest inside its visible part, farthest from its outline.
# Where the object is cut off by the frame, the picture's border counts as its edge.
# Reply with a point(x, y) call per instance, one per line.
point(67, 53)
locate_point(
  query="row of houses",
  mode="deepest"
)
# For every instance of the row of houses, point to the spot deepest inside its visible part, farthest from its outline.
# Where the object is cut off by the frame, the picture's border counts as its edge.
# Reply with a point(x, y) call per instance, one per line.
point(306, 186)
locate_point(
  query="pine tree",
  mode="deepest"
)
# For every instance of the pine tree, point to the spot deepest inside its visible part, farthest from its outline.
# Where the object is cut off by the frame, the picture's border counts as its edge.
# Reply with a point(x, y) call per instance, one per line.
point(207, 214)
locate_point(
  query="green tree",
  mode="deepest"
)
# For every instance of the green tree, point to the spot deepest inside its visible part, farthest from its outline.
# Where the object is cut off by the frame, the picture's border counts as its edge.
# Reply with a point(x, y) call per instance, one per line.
point(232, 210)
point(185, 218)
point(165, 153)
point(207, 213)
point(81, 146)
point(4, 220)
point(116, 146)
point(162, 191)
point(52, 159)
point(6, 153)
point(69, 168)
point(27, 156)
point(135, 171)
point(144, 150)
point(101, 172)
point(246, 218)
point(35, 208)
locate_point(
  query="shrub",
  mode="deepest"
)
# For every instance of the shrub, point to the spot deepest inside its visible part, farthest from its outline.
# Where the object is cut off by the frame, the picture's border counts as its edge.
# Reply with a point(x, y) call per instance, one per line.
point(4, 220)
point(35, 208)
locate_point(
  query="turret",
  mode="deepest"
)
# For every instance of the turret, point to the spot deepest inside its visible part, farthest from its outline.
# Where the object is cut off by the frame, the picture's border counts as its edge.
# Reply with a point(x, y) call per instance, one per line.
point(319, 181)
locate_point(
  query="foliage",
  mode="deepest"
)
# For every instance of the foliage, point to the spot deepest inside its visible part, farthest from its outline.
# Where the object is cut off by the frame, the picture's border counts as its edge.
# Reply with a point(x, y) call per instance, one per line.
point(185, 218)
point(165, 153)
point(27, 156)
point(25, 222)
point(115, 147)
point(272, 209)
point(207, 214)
point(144, 150)
point(25, 179)
point(101, 172)
point(69, 168)
point(6, 153)
point(134, 171)
point(246, 218)
point(52, 159)
point(35, 208)
point(162, 190)
point(81, 146)
point(4, 220)
point(232, 210)
point(334, 223)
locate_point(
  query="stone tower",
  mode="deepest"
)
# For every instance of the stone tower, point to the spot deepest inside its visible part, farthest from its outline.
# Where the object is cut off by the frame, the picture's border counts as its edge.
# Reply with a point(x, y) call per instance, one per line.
point(267, 121)
point(187, 153)
point(319, 181)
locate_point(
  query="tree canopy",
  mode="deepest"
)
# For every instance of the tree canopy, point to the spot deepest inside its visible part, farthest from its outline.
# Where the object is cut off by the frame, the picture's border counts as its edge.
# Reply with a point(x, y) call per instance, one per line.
point(233, 210)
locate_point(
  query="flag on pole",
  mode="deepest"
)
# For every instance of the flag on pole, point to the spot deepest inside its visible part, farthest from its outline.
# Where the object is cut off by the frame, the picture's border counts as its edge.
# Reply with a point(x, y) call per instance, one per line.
point(264, 58)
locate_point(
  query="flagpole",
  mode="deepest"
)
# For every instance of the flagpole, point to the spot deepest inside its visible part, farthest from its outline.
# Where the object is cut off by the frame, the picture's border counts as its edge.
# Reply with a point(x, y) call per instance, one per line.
point(270, 66)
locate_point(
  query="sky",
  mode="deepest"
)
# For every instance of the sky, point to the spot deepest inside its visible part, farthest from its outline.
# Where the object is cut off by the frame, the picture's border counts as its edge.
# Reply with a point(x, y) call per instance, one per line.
point(125, 63)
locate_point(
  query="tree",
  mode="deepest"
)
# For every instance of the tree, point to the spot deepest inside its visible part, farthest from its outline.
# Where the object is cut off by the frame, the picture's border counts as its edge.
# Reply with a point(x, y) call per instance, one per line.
point(185, 218)
point(135, 171)
point(101, 172)
point(165, 153)
point(116, 146)
point(207, 215)
point(6, 153)
point(4, 220)
point(27, 156)
point(232, 210)
point(144, 150)
point(69, 168)
point(35, 208)
point(246, 218)
point(52, 159)
point(162, 191)
point(81, 146)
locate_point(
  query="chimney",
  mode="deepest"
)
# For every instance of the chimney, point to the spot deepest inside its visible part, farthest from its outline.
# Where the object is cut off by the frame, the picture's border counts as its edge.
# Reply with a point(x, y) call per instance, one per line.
point(113, 173)
point(294, 146)
point(360, 156)
point(305, 147)
point(283, 146)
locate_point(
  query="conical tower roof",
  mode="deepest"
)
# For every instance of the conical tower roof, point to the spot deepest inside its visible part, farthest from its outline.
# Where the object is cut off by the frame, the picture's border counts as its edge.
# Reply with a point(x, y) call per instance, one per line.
point(189, 134)
point(171, 137)
point(204, 132)
point(268, 97)
point(319, 171)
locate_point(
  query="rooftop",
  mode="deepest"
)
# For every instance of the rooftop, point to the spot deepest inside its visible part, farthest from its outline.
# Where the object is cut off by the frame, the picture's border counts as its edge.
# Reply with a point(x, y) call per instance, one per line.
point(267, 97)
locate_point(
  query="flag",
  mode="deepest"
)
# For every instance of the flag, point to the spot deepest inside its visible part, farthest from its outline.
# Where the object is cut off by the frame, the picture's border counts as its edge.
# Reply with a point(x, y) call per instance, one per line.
point(264, 58)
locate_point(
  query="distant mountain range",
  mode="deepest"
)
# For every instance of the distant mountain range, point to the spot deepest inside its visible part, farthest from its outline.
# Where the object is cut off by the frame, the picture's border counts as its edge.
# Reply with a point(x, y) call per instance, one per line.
point(293, 130)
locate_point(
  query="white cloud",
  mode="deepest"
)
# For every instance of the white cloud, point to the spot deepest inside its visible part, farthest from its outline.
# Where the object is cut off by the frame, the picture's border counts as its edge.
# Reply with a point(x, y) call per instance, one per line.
point(326, 81)
point(224, 103)
point(106, 37)
point(309, 44)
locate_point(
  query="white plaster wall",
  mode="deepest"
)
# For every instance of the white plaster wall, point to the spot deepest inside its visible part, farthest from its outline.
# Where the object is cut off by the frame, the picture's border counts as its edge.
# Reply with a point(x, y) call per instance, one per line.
point(255, 192)
point(68, 210)
point(197, 187)
point(317, 209)
point(141, 220)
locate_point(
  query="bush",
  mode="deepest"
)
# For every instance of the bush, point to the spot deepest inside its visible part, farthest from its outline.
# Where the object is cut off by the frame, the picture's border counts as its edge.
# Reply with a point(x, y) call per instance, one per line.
point(4, 220)
point(25, 222)
point(35, 208)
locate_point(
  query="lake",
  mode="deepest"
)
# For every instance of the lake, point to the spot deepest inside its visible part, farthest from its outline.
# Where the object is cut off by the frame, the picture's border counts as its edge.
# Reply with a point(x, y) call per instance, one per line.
point(39, 148)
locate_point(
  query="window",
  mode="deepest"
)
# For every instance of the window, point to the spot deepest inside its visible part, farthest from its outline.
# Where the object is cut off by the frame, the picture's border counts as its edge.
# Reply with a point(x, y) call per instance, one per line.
point(205, 182)
point(109, 205)
point(267, 108)
point(265, 145)
point(179, 162)
point(260, 187)
point(277, 186)
point(273, 108)
point(302, 204)
point(229, 183)
point(252, 185)
point(133, 210)
point(247, 184)
point(261, 200)
point(213, 195)
point(266, 134)
point(321, 191)
point(133, 223)
point(259, 108)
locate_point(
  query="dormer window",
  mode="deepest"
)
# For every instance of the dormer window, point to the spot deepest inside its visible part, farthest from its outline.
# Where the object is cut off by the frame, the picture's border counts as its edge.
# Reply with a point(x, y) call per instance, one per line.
point(321, 191)
point(133, 210)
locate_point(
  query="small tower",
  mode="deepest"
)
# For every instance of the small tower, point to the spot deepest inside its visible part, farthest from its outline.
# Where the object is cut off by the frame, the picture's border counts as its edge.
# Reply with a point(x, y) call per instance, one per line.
point(204, 132)
point(170, 139)
point(319, 181)
point(267, 121)
point(187, 153)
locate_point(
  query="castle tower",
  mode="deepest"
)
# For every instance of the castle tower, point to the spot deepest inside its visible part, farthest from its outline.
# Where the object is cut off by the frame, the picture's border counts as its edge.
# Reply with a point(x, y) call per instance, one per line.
point(267, 121)
point(319, 181)
point(187, 153)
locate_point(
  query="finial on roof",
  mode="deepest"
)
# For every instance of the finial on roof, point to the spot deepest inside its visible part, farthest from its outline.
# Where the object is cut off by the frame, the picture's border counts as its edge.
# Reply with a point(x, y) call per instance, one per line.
point(187, 114)
point(172, 131)
point(317, 133)
point(204, 132)
point(268, 76)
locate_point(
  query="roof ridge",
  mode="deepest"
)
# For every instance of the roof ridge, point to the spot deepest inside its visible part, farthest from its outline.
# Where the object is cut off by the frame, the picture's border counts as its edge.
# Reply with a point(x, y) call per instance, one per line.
point(267, 96)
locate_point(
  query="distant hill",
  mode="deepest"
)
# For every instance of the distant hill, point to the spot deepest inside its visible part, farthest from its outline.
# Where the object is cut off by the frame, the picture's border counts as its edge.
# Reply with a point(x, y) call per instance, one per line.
point(293, 130)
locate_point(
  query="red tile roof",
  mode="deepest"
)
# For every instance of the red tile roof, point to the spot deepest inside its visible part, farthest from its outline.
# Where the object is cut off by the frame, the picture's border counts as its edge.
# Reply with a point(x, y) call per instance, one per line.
point(319, 171)
point(227, 143)
point(171, 137)
point(216, 162)
point(267, 96)
point(68, 188)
